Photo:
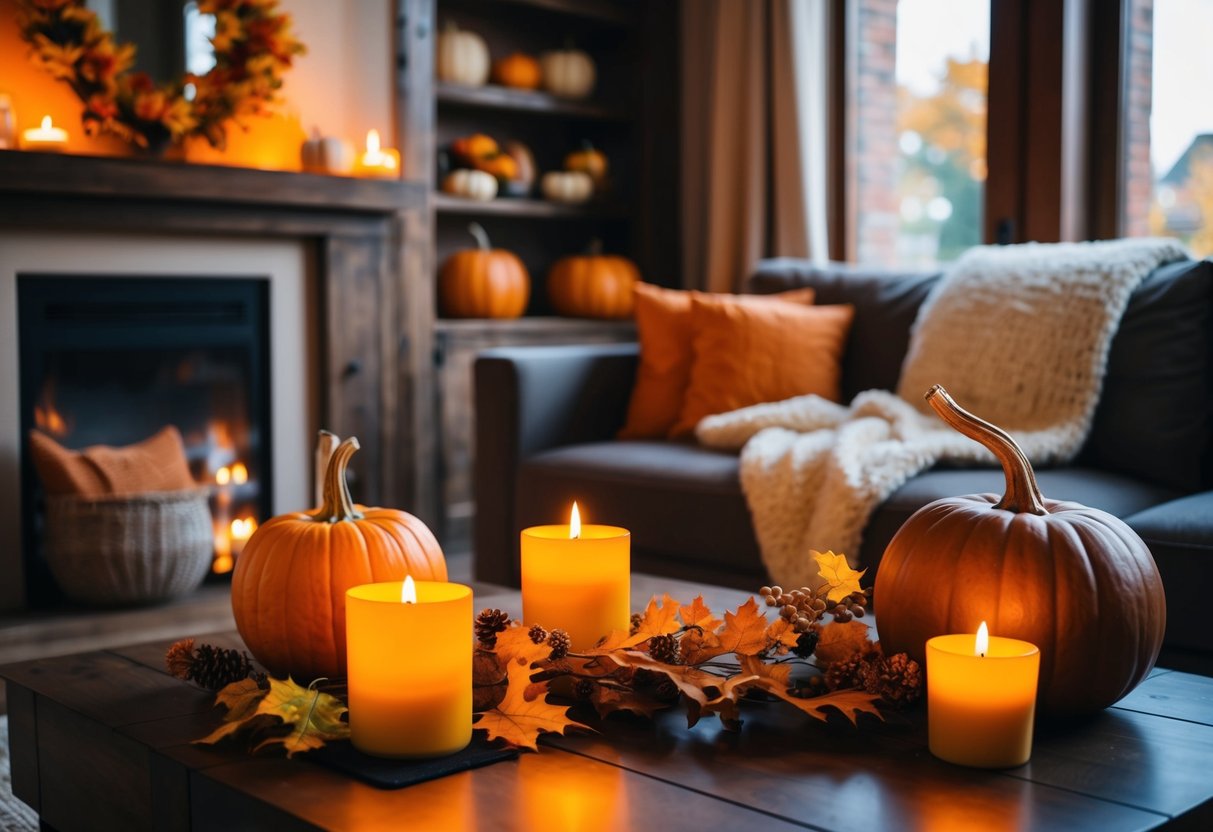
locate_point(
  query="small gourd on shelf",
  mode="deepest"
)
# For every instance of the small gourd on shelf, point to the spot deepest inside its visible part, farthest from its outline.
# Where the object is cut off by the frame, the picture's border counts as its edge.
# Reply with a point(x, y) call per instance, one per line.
point(568, 72)
point(483, 282)
point(590, 160)
point(572, 187)
point(593, 285)
point(470, 184)
point(462, 57)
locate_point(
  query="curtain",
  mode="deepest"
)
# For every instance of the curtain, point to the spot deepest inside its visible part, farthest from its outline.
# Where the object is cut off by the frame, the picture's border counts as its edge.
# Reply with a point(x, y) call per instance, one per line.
point(754, 136)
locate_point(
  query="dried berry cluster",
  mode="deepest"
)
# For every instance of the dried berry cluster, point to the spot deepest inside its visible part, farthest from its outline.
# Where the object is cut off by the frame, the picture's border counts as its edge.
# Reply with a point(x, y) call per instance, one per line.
point(804, 607)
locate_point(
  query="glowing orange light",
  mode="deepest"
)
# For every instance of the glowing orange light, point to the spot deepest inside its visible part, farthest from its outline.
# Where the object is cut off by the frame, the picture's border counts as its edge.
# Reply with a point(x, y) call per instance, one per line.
point(223, 476)
point(239, 473)
point(575, 523)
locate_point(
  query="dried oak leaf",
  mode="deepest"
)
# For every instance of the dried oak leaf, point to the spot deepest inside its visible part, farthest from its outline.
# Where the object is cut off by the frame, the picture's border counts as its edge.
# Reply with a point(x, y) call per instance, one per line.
point(692, 683)
point(697, 614)
point(837, 573)
point(782, 635)
point(614, 640)
point(514, 644)
point(611, 700)
point(699, 646)
point(744, 631)
point(315, 717)
point(519, 721)
point(775, 679)
point(725, 705)
point(839, 641)
point(658, 620)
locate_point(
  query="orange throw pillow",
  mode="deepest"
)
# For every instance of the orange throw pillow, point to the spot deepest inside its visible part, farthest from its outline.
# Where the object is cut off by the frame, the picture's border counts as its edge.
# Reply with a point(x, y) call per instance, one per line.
point(156, 464)
point(663, 325)
point(749, 354)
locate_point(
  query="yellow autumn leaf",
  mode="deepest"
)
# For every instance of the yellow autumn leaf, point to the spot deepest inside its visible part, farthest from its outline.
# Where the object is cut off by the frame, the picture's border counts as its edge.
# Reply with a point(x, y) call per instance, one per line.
point(658, 620)
point(518, 720)
point(837, 573)
point(314, 717)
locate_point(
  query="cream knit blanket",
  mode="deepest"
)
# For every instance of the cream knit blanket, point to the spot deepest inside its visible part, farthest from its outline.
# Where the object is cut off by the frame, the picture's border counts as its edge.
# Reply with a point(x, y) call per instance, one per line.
point(1019, 335)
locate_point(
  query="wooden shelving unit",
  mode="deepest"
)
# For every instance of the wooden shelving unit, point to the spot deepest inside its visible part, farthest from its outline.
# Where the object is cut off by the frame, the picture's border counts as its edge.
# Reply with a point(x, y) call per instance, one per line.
point(531, 208)
point(492, 97)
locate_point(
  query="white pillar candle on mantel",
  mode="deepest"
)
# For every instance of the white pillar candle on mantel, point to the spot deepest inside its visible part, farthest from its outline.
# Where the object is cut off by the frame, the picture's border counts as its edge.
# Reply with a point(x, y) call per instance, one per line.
point(47, 138)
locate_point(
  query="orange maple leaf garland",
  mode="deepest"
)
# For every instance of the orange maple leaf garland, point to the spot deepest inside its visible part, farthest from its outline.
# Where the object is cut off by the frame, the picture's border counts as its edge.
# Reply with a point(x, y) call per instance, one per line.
point(676, 652)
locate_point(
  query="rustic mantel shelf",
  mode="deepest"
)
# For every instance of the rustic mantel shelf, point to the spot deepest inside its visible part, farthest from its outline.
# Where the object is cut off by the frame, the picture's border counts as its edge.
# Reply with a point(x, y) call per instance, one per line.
point(44, 174)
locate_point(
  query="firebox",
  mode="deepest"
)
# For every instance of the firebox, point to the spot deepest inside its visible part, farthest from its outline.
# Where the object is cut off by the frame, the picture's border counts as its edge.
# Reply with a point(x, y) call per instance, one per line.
point(113, 360)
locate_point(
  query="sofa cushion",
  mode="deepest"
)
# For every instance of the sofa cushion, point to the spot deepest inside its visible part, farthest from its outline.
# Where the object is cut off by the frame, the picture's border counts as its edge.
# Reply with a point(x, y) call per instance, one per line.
point(885, 302)
point(1156, 410)
point(682, 503)
point(1114, 493)
point(1180, 536)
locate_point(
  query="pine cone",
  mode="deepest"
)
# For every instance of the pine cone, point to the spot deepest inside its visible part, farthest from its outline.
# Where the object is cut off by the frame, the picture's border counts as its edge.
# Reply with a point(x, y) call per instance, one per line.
point(180, 658)
point(538, 634)
point(897, 679)
point(489, 623)
point(636, 620)
point(216, 667)
point(665, 648)
point(559, 641)
point(806, 644)
point(848, 673)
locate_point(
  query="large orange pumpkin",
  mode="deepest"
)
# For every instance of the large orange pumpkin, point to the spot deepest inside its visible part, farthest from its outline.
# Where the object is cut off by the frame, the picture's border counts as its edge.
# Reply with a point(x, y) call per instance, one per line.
point(288, 590)
point(593, 285)
point(1076, 582)
point(483, 282)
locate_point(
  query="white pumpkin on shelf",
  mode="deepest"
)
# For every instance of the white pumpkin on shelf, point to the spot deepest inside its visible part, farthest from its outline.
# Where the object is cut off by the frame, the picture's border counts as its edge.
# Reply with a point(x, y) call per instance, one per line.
point(471, 184)
point(326, 154)
point(463, 57)
point(568, 186)
point(568, 72)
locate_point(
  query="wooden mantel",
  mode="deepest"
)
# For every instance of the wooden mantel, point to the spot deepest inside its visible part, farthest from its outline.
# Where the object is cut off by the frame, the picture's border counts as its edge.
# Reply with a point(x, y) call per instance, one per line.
point(359, 229)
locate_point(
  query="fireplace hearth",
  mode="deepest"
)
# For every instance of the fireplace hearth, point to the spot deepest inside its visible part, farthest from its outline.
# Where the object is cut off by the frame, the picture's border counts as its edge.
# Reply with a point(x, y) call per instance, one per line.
point(112, 360)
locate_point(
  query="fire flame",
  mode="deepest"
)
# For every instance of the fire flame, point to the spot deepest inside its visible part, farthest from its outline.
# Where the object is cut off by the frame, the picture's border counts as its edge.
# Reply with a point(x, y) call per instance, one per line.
point(46, 416)
point(982, 645)
point(575, 523)
point(223, 476)
point(408, 591)
point(239, 473)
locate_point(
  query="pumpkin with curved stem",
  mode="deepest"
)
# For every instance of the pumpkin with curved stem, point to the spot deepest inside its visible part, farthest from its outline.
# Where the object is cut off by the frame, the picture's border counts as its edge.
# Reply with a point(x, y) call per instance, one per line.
point(1076, 582)
point(288, 590)
point(593, 285)
point(483, 282)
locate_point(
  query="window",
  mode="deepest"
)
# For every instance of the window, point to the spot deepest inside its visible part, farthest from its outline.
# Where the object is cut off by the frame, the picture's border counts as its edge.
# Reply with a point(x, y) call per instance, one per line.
point(920, 129)
point(1168, 123)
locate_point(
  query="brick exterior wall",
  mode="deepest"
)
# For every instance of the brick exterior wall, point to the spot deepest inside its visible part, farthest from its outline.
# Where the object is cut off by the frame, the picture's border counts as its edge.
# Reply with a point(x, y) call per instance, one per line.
point(875, 117)
point(1138, 175)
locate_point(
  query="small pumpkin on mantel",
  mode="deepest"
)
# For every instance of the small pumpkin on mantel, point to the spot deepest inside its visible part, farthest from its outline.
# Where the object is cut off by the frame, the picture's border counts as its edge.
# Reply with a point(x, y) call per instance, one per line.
point(1075, 581)
point(288, 590)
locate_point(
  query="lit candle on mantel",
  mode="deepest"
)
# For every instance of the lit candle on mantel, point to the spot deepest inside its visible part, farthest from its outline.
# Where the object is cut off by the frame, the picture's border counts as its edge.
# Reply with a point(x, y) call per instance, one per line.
point(981, 699)
point(377, 162)
point(409, 648)
point(47, 138)
point(577, 578)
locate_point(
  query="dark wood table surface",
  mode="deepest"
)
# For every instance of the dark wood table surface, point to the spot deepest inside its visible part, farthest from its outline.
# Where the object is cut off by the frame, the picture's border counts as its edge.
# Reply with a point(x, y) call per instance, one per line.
point(102, 740)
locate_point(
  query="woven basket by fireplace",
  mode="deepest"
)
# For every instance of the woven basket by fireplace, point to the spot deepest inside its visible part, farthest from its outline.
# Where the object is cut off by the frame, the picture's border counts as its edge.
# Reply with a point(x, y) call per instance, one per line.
point(129, 549)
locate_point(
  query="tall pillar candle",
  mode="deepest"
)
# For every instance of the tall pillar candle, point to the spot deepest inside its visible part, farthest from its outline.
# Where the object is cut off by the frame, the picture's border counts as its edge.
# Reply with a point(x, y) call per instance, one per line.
point(981, 699)
point(410, 668)
point(577, 578)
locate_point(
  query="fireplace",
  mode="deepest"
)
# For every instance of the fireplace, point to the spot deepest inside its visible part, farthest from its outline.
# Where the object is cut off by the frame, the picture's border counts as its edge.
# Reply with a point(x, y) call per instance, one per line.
point(111, 360)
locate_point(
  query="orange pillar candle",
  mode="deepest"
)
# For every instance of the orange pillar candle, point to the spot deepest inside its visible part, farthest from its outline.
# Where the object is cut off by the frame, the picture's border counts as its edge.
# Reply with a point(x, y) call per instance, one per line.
point(410, 667)
point(981, 699)
point(46, 138)
point(578, 579)
point(377, 162)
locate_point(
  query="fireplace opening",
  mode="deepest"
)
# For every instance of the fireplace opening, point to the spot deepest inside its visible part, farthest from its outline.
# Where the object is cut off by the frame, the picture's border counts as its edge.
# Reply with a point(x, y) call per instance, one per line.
point(113, 360)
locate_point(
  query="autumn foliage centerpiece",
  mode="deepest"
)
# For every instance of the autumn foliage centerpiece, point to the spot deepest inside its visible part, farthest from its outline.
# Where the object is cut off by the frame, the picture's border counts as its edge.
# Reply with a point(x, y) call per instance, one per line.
point(253, 47)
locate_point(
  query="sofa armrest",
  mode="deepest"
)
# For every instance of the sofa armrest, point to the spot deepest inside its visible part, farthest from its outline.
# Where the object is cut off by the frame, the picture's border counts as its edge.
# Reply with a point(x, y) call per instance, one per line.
point(528, 399)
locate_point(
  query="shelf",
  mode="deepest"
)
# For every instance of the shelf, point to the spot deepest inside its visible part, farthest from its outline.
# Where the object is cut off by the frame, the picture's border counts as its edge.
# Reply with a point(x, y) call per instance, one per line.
point(510, 207)
point(493, 97)
point(599, 11)
point(548, 325)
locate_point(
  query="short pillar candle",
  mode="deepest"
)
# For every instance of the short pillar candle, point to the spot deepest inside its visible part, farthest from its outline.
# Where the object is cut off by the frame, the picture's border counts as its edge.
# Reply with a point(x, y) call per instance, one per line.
point(410, 668)
point(981, 699)
point(578, 579)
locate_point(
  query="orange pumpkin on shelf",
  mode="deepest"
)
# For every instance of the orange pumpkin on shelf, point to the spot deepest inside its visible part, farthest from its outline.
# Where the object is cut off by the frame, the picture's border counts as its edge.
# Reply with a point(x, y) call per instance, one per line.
point(476, 146)
point(288, 590)
point(500, 165)
point(518, 70)
point(593, 285)
point(483, 282)
point(589, 160)
point(1076, 582)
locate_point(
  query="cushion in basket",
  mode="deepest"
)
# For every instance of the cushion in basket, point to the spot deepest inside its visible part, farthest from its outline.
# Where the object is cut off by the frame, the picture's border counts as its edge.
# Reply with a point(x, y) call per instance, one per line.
point(156, 464)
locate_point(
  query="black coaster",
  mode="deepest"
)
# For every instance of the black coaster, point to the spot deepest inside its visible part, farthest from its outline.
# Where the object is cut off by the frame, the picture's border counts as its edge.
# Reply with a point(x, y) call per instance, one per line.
point(396, 774)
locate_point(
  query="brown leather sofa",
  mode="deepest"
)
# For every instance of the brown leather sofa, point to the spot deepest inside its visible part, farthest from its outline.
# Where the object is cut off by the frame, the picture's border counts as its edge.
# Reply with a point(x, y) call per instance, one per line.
point(546, 419)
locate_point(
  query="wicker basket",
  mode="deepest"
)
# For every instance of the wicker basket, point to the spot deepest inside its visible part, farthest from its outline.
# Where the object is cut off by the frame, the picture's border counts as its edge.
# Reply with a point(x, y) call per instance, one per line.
point(130, 549)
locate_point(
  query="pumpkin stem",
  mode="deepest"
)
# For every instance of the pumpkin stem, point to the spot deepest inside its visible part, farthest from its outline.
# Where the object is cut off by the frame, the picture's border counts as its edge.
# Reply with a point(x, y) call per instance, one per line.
point(1023, 494)
point(338, 505)
point(482, 236)
point(595, 248)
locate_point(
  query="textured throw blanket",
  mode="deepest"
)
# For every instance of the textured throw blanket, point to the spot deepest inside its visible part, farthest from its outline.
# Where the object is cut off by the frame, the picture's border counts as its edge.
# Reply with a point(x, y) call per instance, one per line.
point(1019, 335)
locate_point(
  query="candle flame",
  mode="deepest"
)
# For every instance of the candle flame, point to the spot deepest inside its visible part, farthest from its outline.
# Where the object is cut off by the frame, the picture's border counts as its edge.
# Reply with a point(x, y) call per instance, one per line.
point(239, 473)
point(242, 528)
point(408, 591)
point(982, 645)
point(46, 122)
point(223, 476)
point(372, 141)
point(575, 523)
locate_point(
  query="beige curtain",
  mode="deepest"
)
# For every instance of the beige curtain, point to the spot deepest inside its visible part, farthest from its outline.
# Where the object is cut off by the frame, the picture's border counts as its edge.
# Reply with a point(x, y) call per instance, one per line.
point(754, 136)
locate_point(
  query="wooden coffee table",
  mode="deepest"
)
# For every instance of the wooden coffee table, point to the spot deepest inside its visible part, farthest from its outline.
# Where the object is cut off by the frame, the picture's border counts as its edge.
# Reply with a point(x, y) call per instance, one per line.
point(102, 740)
